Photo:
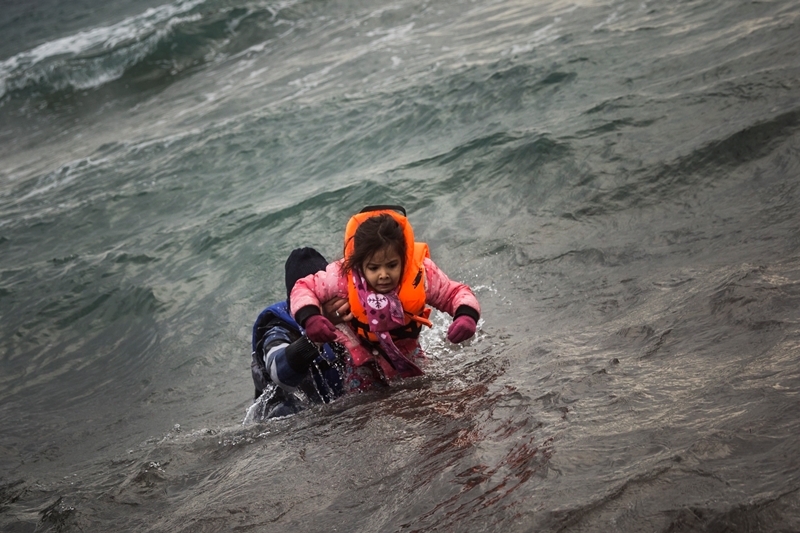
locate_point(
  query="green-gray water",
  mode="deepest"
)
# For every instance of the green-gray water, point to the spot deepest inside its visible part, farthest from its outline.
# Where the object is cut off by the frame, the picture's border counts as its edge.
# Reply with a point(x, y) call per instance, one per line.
point(617, 181)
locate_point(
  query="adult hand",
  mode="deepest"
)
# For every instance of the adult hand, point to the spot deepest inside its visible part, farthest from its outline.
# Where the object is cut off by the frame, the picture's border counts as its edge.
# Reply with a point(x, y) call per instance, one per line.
point(337, 310)
point(320, 329)
point(462, 328)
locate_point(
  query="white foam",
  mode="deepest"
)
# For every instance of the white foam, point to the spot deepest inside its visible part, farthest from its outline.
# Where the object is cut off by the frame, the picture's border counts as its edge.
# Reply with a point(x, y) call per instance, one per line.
point(61, 177)
point(612, 18)
point(541, 36)
point(130, 30)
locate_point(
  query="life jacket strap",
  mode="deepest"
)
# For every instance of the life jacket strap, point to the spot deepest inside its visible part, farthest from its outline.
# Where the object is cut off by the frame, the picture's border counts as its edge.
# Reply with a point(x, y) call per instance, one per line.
point(398, 208)
point(409, 331)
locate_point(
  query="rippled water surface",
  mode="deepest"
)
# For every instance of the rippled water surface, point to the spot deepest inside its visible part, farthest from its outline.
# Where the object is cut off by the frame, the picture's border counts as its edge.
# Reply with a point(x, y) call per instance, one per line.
point(617, 181)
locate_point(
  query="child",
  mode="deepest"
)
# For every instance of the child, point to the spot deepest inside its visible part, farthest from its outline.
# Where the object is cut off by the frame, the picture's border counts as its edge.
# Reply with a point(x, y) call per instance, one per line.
point(388, 279)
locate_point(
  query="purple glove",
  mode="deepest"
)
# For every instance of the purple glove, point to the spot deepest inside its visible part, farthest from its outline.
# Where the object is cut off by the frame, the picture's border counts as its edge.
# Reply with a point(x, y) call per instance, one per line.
point(320, 329)
point(461, 329)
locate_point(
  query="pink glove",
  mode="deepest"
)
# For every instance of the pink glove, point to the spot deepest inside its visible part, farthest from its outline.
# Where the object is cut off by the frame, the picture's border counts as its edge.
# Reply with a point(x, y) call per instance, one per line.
point(320, 329)
point(461, 329)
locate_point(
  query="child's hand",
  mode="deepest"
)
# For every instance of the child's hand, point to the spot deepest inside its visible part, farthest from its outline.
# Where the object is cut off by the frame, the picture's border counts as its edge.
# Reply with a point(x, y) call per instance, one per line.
point(320, 329)
point(462, 328)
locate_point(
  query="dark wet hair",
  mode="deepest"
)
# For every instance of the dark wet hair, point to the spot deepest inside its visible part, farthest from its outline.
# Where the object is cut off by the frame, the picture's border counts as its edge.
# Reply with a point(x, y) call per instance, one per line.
point(373, 235)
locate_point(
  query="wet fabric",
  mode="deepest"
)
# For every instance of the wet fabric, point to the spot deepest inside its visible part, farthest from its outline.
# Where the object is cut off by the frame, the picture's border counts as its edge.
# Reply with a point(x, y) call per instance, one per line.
point(384, 313)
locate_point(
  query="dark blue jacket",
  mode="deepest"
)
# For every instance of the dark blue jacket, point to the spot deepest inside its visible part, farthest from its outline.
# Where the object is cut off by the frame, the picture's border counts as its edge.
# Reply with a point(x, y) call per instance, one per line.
point(273, 332)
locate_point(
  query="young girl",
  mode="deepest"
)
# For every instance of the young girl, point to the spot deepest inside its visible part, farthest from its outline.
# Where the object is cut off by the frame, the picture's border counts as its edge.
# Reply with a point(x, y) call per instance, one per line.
point(388, 279)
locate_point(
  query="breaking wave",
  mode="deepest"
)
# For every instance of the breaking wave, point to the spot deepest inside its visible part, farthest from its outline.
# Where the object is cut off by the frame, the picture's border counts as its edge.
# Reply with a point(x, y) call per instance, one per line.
point(143, 51)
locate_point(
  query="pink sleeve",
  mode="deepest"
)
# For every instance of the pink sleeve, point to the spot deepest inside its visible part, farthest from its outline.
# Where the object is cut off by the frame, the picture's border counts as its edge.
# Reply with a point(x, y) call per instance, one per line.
point(445, 294)
point(319, 287)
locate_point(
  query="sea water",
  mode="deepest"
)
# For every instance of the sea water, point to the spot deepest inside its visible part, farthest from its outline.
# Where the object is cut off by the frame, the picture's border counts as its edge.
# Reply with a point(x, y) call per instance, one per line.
point(617, 181)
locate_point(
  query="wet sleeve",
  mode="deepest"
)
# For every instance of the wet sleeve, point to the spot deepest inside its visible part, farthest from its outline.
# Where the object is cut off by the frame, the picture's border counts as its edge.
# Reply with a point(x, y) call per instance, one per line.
point(280, 372)
point(309, 291)
point(287, 362)
point(449, 296)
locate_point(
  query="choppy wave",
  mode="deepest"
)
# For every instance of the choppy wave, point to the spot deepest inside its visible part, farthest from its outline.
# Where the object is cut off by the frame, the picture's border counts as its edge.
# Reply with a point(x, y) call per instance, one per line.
point(144, 50)
point(616, 182)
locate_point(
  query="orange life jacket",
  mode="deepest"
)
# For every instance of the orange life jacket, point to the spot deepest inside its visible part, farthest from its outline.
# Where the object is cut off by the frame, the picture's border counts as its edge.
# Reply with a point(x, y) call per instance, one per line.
point(412, 283)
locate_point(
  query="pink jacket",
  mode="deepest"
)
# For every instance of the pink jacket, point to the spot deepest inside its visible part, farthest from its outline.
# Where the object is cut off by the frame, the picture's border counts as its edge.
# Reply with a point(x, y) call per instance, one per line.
point(440, 291)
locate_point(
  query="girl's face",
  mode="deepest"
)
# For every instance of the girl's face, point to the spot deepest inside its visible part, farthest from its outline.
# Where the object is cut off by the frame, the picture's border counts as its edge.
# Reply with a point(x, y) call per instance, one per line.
point(383, 270)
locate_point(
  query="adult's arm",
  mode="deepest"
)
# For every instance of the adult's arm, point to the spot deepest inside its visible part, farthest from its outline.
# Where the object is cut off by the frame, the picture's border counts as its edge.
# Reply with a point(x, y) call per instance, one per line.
point(287, 355)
